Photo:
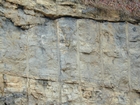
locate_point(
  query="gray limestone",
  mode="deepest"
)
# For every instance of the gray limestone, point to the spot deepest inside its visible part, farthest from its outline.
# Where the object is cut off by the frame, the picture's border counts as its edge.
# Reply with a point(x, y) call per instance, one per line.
point(48, 56)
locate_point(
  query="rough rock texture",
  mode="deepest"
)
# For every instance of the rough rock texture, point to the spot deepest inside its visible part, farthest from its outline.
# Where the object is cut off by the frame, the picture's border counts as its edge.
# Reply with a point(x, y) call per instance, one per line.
point(55, 52)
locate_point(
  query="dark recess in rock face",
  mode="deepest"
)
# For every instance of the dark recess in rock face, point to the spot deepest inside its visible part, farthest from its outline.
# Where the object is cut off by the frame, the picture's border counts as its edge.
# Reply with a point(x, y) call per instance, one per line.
point(67, 52)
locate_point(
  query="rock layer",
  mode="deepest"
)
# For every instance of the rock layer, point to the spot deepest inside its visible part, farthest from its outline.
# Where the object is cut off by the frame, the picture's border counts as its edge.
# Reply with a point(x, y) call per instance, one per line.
point(55, 53)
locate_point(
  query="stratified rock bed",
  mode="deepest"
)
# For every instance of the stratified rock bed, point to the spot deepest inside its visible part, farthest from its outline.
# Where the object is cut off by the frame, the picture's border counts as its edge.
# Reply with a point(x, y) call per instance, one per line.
point(56, 52)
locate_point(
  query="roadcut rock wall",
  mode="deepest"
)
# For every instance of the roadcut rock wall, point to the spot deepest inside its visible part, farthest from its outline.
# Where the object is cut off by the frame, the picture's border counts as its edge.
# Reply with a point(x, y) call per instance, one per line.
point(55, 52)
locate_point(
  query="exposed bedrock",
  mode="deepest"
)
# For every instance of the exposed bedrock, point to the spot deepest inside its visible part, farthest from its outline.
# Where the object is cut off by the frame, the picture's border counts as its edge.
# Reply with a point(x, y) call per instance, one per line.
point(56, 52)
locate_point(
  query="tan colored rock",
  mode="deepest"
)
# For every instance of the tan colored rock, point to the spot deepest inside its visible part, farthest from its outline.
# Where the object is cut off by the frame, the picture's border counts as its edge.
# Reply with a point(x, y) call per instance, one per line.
point(43, 92)
point(1, 85)
point(70, 94)
point(14, 84)
point(13, 49)
point(75, 8)
point(21, 19)
point(15, 90)
point(55, 52)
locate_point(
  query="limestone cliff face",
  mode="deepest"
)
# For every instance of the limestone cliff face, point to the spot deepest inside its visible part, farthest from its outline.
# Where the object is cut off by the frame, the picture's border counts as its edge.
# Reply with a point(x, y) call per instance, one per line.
point(56, 52)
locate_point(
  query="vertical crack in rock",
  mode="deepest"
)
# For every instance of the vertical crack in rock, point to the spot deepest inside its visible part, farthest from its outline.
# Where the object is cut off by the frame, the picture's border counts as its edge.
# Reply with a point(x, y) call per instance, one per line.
point(133, 48)
point(101, 55)
point(59, 63)
point(59, 58)
point(129, 66)
point(27, 70)
point(78, 62)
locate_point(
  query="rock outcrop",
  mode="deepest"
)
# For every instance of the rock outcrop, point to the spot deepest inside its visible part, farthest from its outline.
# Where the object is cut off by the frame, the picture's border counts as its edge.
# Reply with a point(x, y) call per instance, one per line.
point(61, 52)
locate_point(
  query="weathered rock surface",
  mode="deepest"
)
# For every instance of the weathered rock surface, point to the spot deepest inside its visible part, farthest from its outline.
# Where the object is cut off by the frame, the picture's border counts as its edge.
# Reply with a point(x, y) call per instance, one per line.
point(54, 52)
point(34, 9)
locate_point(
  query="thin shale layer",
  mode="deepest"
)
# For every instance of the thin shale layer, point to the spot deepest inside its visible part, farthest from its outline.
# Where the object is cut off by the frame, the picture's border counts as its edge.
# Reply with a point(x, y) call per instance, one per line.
point(55, 52)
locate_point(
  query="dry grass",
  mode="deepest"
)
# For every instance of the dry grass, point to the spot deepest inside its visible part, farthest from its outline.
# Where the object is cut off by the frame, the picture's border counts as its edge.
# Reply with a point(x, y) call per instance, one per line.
point(130, 7)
